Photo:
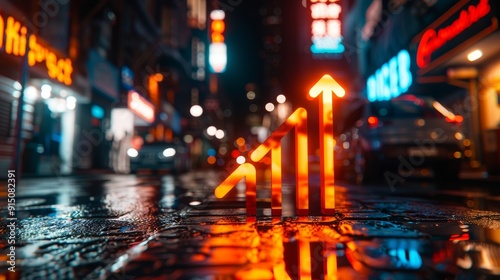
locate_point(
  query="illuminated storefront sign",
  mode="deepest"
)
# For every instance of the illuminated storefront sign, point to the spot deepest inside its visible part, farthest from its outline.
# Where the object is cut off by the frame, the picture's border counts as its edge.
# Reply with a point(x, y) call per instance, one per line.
point(326, 27)
point(391, 80)
point(217, 50)
point(326, 86)
point(435, 37)
point(14, 41)
point(141, 107)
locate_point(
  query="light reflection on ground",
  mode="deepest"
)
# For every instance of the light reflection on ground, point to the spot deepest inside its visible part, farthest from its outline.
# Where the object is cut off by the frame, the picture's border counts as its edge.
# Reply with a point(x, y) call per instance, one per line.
point(143, 228)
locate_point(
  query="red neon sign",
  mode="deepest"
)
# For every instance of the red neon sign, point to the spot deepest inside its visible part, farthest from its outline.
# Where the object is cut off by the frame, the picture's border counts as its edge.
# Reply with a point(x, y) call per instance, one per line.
point(141, 107)
point(433, 39)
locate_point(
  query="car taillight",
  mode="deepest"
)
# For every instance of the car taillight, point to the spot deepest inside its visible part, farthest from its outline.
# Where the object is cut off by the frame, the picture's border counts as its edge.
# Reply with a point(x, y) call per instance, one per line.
point(457, 119)
point(372, 122)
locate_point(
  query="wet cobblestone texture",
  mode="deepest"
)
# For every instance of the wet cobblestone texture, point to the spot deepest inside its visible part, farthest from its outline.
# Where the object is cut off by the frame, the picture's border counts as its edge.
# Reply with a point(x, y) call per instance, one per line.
point(127, 227)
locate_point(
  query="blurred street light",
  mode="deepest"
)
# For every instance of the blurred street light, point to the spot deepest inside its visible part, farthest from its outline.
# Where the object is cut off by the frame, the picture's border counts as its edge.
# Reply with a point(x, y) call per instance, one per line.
point(220, 134)
point(281, 99)
point(269, 107)
point(196, 111)
point(474, 55)
point(211, 130)
point(70, 102)
point(251, 95)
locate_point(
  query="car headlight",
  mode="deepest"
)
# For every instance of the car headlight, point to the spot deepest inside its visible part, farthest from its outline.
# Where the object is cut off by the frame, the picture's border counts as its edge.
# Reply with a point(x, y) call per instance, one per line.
point(169, 152)
point(131, 152)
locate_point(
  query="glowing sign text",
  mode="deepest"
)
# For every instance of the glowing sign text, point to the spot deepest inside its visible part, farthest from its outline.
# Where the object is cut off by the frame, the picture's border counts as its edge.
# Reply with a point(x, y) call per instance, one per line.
point(16, 40)
point(392, 79)
point(141, 107)
point(298, 120)
point(433, 39)
point(326, 27)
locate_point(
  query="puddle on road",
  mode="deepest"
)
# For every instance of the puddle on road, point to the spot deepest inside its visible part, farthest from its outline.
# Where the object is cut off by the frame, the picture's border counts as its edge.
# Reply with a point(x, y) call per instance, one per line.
point(307, 249)
point(370, 237)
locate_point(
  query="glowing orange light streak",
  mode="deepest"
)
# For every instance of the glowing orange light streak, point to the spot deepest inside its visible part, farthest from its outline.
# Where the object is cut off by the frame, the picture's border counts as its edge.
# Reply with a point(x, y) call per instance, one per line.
point(280, 273)
point(248, 172)
point(326, 85)
point(331, 267)
point(297, 120)
point(276, 200)
point(304, 260)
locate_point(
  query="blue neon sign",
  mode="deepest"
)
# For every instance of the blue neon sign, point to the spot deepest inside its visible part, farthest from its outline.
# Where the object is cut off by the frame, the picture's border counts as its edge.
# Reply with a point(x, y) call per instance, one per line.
point(392, 79)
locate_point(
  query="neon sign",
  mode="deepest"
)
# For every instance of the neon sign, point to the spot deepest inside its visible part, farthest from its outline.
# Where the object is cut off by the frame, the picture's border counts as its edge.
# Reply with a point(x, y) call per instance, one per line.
point(326, 27)
point(298, 121)
point(141, 107)
point(14, 40)
point(433, 39)
point(391, 80)
point(217, 56)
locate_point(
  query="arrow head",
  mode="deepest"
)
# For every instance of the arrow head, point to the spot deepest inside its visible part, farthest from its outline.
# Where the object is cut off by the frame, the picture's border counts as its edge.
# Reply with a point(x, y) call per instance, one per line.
point(326, 83)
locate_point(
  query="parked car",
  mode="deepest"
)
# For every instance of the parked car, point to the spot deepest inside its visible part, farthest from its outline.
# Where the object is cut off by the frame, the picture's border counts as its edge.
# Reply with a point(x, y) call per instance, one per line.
point(400, 135)
point(158, 156)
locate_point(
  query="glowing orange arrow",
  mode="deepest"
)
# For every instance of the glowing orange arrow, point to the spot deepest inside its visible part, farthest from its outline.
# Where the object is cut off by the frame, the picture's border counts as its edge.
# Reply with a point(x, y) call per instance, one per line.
point(326, 85)
point(247, 171)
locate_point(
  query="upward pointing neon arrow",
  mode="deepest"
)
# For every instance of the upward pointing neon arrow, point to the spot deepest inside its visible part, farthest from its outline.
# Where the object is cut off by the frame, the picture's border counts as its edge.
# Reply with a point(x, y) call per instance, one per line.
point(326, 85)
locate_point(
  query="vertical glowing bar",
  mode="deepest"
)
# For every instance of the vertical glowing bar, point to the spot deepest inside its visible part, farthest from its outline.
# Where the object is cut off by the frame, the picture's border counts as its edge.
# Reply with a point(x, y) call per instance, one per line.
point(331, 267)
point(326, 147)
point(280, 273)
point(302, 164)
point(304, 260)
point(297, 120)
point(276, 196)
point(246, 170)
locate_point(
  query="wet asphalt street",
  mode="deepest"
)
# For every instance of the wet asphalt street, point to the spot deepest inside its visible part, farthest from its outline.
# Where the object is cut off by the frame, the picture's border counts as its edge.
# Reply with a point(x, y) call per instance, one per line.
point(172, 227)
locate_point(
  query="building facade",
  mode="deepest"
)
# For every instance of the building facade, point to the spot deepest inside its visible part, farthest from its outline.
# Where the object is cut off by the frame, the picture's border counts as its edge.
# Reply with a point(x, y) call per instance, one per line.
point(447, 50)
point(92, 75)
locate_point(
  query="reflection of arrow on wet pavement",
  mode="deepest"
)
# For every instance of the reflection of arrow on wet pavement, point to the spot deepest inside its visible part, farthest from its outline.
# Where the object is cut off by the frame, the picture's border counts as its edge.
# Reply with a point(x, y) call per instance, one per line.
point(326, 85)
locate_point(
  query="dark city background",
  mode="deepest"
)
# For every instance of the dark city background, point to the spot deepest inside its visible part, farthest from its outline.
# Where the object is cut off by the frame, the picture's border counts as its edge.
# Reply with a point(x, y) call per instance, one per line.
point(249, 139)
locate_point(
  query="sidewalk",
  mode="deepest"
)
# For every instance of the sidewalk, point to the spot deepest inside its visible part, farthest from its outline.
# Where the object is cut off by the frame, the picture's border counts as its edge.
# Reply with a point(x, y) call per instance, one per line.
point(127, 227)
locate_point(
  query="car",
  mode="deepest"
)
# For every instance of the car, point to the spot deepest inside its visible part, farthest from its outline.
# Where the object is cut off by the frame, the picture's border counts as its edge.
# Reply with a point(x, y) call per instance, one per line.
point(399, 136)
point(157, 156)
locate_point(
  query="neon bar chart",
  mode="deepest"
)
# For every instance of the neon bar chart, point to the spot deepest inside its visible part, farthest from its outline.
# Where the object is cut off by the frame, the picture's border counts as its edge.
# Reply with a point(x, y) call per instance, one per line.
point(297, 121)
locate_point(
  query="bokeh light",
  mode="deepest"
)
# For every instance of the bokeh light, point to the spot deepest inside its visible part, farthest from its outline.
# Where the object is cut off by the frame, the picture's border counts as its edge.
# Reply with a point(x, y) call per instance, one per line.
point(220, 134)
point(211, 130)
point(211, 160)
point(196, 110)
point(269, 107)
point(240, 141)
point(188, 138)
point(281, 99)
point(240, 159)
point(251, 95)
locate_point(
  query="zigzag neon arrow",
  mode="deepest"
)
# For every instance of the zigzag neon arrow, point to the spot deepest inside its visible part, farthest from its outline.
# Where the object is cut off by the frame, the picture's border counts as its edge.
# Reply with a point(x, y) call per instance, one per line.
point(298, 120)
